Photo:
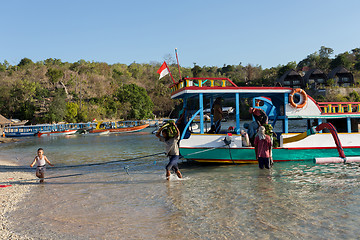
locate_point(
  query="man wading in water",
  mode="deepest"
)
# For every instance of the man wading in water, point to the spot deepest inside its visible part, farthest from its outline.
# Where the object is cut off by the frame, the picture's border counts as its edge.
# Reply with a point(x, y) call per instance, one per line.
point(171, 147)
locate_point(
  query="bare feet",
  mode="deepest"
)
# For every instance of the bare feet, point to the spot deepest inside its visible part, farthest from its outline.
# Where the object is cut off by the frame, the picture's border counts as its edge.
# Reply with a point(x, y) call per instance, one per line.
point(178, 173)
point(167, 175)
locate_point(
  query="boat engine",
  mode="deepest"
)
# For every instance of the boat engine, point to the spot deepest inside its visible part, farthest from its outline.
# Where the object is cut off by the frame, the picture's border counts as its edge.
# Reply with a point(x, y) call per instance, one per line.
point(228, 139)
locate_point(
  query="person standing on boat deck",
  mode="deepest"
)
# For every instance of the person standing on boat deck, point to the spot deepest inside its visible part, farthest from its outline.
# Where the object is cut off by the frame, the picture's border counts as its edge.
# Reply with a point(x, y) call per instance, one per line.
point(181, 121)
point(41, 160)
point(263, 146)
point(171, 148)
point(218, 115)
point(259, 115)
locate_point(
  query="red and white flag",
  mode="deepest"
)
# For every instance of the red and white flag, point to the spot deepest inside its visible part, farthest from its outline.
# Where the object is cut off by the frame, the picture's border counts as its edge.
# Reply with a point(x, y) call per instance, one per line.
point(163, 70)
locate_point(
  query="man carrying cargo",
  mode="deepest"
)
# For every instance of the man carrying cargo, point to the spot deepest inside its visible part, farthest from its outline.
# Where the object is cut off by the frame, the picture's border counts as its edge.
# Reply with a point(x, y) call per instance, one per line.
point(170, 135)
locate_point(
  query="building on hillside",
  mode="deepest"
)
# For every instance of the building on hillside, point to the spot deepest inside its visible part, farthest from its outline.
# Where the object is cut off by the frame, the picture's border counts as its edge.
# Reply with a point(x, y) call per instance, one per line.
point(314, 78)
point(292, 79)
point(342, 77)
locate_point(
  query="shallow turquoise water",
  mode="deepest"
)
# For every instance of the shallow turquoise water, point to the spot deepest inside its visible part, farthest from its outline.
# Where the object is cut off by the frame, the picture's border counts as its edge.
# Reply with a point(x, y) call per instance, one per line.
point(297, 200)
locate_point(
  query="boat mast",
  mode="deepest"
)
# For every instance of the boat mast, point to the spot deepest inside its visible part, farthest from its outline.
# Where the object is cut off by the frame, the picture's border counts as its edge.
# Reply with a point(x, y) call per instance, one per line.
point(177, 59)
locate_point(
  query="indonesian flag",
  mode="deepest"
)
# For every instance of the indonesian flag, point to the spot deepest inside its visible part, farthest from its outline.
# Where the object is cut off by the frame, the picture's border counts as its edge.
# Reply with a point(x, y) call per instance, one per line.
point(163, 70)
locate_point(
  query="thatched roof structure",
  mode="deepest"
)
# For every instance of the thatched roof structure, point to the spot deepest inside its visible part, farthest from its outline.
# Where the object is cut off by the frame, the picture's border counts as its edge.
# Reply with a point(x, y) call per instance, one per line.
point(342, 76)
point(291, 78)
point(315, 77)
point(3, 120)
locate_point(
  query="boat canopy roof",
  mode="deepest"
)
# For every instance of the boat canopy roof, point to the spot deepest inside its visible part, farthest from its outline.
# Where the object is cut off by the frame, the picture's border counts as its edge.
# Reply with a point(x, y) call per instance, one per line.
point(228, 92)
point(222, 87)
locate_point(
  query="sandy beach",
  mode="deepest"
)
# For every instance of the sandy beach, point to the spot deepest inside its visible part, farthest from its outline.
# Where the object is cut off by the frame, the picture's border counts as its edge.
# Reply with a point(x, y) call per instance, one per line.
point(10, 196)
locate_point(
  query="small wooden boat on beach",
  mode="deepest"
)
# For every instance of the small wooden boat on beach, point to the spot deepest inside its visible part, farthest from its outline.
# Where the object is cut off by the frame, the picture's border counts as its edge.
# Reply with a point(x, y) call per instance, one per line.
point(118, 127)
point(56, 133)
point(99, 131)
point(127, 129)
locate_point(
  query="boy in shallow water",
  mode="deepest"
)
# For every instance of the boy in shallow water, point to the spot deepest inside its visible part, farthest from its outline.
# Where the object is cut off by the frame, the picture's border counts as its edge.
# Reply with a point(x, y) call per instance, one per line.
point(172, 150)
point(41, 160)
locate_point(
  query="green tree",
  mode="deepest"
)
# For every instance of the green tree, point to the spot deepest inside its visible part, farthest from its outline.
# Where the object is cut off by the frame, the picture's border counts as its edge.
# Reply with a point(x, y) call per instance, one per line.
point(319, 59)
point(196, 70)
point(141, 104)
point(52, 61)
point(354, 97)
point(343, 59)
point(54, 75)
point(25, 62)
point(325, 52)
point(22, 102)
point(57, 107)
point(71, 112)
point(82, 115)
point(284, 68)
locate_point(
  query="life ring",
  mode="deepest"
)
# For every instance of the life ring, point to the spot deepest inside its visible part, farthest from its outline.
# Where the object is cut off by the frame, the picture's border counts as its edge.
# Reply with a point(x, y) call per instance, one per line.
point(303, 98)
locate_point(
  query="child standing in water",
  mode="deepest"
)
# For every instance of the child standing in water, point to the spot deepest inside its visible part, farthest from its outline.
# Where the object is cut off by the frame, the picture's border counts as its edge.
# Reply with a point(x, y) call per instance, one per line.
point(41, 160)
point(172, 149)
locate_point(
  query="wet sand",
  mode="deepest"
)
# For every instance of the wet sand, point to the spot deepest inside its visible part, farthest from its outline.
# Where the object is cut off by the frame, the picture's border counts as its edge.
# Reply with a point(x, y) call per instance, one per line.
point(11, 196)
point(8, 140)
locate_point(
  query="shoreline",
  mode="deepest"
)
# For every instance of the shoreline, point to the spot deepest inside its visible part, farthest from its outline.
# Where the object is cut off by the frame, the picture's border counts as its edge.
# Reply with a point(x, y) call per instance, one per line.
point(7, 140)
point(11, 196)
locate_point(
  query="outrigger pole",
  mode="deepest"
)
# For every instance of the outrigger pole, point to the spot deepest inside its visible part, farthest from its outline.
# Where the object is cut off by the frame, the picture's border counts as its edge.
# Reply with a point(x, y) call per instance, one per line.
point(177, 59)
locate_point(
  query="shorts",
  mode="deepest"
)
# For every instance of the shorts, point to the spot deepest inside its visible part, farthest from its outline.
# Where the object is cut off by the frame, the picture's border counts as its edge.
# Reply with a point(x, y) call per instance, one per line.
point(264, 162)
point(173, 163)
point(40, 169)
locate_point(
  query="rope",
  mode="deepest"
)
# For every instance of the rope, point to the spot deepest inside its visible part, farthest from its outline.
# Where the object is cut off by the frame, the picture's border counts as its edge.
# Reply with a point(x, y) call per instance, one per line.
point(230, 155)
point(206, 150)
point(200, 151)
point(86, 165)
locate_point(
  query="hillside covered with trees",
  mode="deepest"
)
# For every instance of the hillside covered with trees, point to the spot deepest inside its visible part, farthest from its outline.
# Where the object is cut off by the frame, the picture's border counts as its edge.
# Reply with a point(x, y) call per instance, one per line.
point(54, 91)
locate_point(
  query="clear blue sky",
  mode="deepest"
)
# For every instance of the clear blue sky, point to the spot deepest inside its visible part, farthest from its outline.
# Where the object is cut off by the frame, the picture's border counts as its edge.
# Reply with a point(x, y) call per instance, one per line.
point(211, 33)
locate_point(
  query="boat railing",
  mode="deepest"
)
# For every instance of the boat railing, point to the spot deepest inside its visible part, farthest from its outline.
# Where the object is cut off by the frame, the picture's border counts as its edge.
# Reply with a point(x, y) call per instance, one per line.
point(202, 82)
point(339, 107)
point(189, 122)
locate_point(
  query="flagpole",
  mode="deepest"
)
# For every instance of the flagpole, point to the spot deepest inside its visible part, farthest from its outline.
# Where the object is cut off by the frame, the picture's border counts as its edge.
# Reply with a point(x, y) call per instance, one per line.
point(177, 59)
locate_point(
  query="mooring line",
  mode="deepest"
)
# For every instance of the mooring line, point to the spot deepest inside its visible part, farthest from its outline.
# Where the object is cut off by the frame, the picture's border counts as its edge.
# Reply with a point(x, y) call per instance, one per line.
point(83, 165)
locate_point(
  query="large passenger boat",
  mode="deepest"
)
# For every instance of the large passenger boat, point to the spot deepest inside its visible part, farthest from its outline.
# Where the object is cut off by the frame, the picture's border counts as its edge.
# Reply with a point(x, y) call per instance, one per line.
point(283, 105)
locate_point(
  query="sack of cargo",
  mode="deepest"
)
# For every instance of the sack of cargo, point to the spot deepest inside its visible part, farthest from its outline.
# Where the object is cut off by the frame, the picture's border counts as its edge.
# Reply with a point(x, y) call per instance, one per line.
point(170, 128)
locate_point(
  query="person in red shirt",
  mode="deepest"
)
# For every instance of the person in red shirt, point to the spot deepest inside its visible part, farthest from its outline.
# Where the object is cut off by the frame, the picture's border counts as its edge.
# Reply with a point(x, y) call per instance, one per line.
point(263, 146)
